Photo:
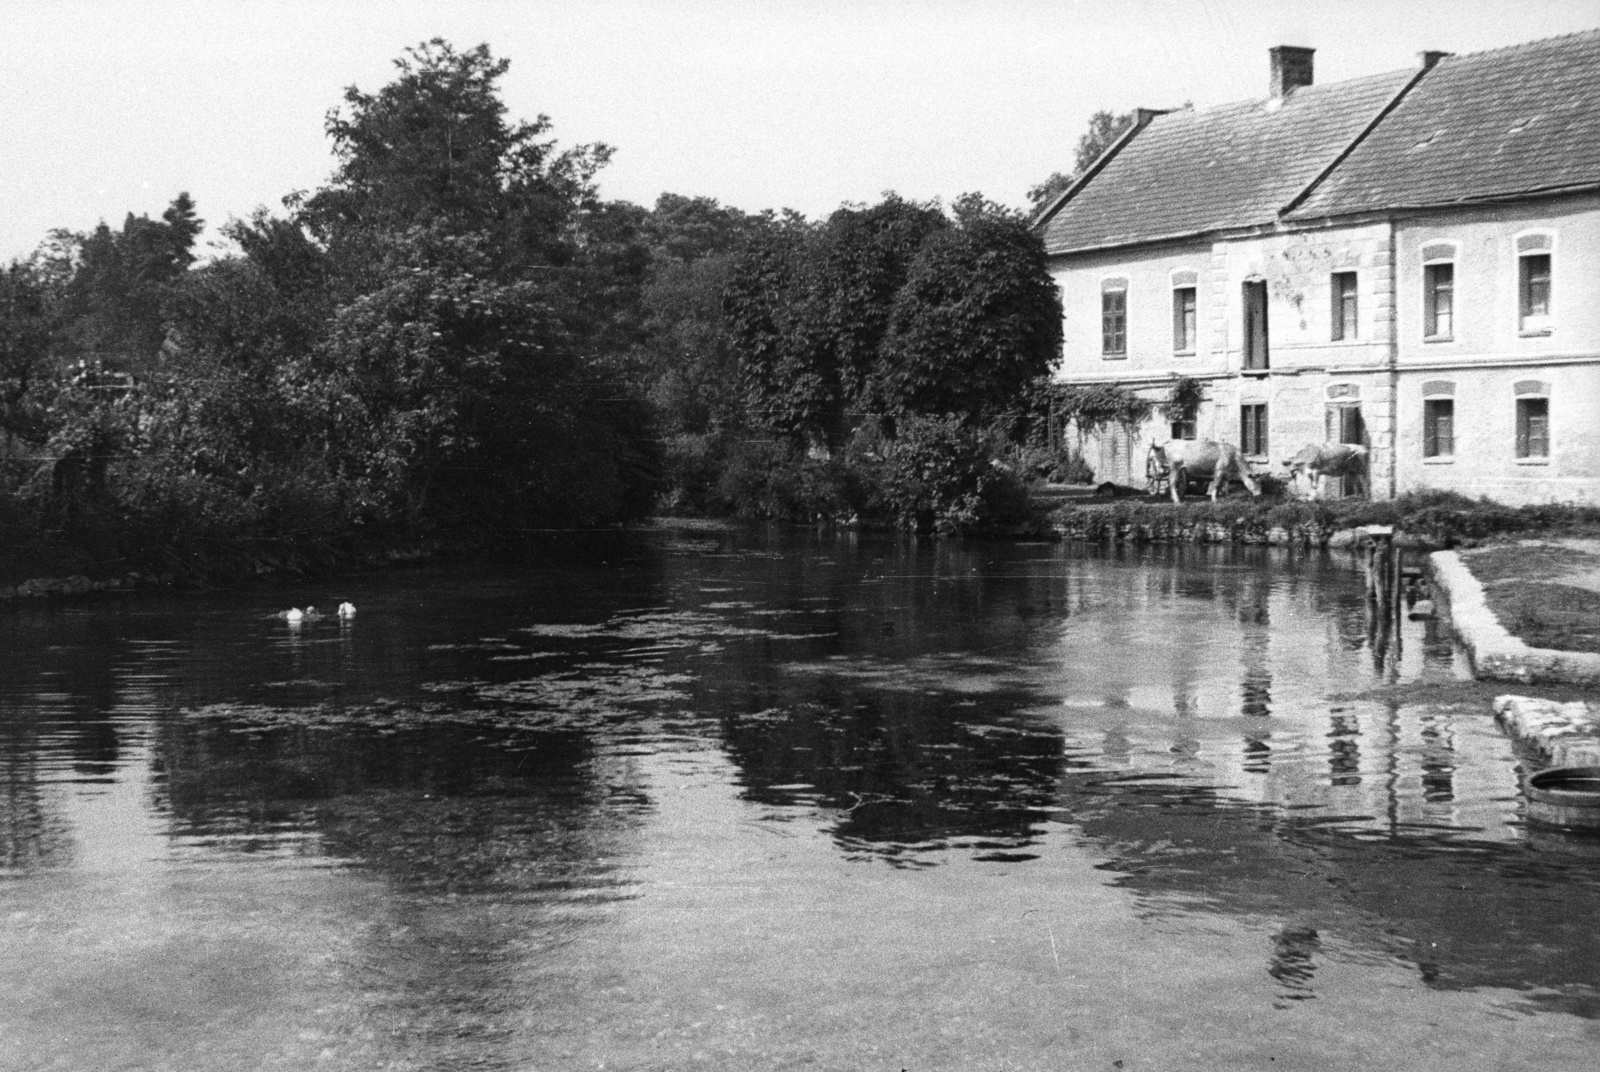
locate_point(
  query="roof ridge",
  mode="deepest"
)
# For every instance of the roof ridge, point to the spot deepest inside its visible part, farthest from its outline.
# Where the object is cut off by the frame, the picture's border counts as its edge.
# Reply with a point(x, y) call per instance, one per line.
point(1456, 57)
point(1313, 89)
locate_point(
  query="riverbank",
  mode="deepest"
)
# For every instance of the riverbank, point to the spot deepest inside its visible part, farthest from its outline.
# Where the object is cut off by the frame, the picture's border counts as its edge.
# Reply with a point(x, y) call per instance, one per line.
point(1424, 520)
point(1527, 610)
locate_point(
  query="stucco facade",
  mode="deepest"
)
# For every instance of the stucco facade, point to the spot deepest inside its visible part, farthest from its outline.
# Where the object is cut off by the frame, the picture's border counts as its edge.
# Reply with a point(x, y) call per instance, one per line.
point(1492, 358)
point(1307, 371)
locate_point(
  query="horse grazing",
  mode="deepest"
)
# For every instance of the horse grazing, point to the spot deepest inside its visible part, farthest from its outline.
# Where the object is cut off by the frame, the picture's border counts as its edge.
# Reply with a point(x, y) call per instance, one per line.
point(1184, 459)
point(1317, 460)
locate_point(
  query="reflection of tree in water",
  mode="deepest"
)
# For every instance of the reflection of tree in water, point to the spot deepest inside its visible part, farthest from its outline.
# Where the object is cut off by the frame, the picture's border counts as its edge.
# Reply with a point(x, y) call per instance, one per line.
point(900, 721)
point(448, 806)
point(493, 845)
point(32, 832)
point(1463, 913)
point(906, 772)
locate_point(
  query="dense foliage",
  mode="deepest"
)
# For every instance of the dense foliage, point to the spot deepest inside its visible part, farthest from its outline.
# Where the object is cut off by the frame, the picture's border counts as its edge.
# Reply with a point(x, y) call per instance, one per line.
point(455, 341)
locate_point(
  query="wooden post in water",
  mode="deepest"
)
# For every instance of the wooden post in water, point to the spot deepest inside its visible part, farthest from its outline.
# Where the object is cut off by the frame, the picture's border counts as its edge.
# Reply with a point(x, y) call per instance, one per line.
point(1383, 589)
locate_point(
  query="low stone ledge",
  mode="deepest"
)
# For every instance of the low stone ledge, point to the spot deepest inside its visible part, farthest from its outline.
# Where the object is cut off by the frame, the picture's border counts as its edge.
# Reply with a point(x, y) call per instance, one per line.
point(1498, 655)
point(77, 584)
point(1558, 734)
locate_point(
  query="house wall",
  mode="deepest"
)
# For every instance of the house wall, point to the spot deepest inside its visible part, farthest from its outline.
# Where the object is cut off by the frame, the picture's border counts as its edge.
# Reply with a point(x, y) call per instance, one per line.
point(1150, 354)
point(1488, 354)
point(1304, 362)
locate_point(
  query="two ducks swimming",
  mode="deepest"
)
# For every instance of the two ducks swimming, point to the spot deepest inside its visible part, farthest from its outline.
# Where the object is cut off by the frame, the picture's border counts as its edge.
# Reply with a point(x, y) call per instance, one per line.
point(294, 615)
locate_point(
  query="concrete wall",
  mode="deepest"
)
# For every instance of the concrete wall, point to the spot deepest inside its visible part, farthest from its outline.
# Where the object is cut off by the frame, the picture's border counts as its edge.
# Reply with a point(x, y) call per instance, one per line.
point(1488, 354)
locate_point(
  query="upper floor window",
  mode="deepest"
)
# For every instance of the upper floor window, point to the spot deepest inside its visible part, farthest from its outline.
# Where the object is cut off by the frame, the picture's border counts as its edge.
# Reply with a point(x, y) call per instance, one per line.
point(1114, 318)
point(1438, 291)
point(1534, 262)
point(1345, 318)
point(1184, 307)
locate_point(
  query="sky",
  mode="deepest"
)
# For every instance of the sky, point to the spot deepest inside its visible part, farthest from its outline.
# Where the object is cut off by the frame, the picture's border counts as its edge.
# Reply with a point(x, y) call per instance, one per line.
point(110, 107)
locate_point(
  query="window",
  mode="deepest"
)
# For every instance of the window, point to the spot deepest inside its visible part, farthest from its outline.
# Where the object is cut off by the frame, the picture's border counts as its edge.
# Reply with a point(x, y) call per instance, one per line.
point(1345, 322)
point(1533, 286)
point(1533, 427)
point(1255, 325)
point(1183, 320)
point(1253, 428)
point(1184, 426)
point(1438, 300)
point(1438, 427)
point(1344, 424)
point(1114, 318)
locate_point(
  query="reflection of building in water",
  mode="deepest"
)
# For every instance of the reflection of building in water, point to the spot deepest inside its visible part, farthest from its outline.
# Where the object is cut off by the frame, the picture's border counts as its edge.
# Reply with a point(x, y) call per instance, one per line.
point(1245, 700)
point(1294, 962)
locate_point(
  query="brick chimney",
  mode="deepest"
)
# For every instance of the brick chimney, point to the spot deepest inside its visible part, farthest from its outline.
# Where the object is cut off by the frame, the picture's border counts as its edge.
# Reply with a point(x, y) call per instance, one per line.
point(1291, 69)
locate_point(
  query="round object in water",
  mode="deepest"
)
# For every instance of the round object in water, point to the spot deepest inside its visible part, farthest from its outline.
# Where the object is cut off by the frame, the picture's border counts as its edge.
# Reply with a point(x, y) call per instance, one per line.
point(1566, 796)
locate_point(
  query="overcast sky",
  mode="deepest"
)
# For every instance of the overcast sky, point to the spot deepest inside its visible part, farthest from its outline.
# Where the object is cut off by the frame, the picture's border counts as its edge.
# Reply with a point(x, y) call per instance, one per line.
point(110, 107)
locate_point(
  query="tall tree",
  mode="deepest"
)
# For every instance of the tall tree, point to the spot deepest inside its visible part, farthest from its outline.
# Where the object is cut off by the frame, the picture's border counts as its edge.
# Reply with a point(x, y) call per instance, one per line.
point(122, 280)
point(1104, 129)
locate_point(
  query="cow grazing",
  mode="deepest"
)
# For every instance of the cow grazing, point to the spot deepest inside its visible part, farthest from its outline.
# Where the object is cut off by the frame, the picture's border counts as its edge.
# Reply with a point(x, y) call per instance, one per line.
point(1183, 460)
point(1318, 460)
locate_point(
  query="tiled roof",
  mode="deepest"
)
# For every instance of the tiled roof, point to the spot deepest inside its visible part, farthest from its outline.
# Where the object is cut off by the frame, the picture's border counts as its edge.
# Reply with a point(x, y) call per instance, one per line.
point(1491, 124)
point(1235, 165)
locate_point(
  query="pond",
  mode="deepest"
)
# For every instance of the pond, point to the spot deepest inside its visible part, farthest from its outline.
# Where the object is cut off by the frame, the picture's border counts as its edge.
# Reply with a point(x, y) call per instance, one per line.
point(774, 799)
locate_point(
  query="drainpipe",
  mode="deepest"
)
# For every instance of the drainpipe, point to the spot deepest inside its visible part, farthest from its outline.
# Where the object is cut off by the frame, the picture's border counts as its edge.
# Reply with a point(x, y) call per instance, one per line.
point(1394, 365)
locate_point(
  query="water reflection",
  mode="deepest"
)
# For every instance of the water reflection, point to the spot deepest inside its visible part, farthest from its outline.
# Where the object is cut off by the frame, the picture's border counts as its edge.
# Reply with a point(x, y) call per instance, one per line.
point(467, 819)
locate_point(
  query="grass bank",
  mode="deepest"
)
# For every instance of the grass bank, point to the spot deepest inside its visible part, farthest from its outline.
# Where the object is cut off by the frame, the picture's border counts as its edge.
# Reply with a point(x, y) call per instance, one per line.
point(1545, 592)
point(1427, 519)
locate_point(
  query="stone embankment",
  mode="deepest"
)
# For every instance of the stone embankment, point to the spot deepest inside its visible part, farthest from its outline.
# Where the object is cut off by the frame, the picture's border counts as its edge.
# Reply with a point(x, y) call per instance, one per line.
point(1552, 733)
point(1496, 653)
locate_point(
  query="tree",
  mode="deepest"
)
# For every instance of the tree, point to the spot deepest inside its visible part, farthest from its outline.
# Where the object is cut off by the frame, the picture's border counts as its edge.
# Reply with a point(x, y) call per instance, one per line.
point(809, 308)
point(977, 320)
point(28, 319)
point(116, 298)
point(486, 292)
point(1104, 129)
point(434, 148)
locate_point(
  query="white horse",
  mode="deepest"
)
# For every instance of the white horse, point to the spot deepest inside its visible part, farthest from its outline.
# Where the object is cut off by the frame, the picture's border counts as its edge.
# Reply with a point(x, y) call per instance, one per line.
point(1184, 459)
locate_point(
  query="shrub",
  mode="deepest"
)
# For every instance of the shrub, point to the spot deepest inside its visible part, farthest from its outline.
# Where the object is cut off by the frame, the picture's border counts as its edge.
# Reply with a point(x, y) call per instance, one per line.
point(778, 480)
point(943, 476)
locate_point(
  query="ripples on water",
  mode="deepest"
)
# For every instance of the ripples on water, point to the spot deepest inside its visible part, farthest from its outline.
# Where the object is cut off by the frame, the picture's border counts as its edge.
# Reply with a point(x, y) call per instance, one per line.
point(750, 799)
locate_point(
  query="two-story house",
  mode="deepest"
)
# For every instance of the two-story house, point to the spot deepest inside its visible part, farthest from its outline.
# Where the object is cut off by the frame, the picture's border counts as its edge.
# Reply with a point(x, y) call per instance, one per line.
point(1407, 260)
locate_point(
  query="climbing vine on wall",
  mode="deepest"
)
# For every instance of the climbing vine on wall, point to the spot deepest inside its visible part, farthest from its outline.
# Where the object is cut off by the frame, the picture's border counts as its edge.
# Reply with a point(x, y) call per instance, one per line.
point(1183, 399)
point(1092, 408)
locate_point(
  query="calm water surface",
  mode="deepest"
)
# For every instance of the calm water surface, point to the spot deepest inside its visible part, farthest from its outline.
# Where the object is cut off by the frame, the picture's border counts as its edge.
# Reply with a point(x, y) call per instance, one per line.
point(760, 800)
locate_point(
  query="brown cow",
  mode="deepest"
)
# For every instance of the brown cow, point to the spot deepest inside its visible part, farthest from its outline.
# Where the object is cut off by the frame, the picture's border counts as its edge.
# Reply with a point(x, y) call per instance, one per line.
point(1318, 460)
point(1182, 459)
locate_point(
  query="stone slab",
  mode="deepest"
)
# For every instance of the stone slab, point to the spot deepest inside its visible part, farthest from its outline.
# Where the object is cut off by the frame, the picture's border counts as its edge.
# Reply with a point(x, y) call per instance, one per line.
point(1558, 734)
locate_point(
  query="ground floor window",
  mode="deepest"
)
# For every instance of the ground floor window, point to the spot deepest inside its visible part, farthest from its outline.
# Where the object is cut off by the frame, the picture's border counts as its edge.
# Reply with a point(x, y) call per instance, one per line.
point(1253, 428)
point(1533, 427)
point(1438, 427)
point(1184, 427)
